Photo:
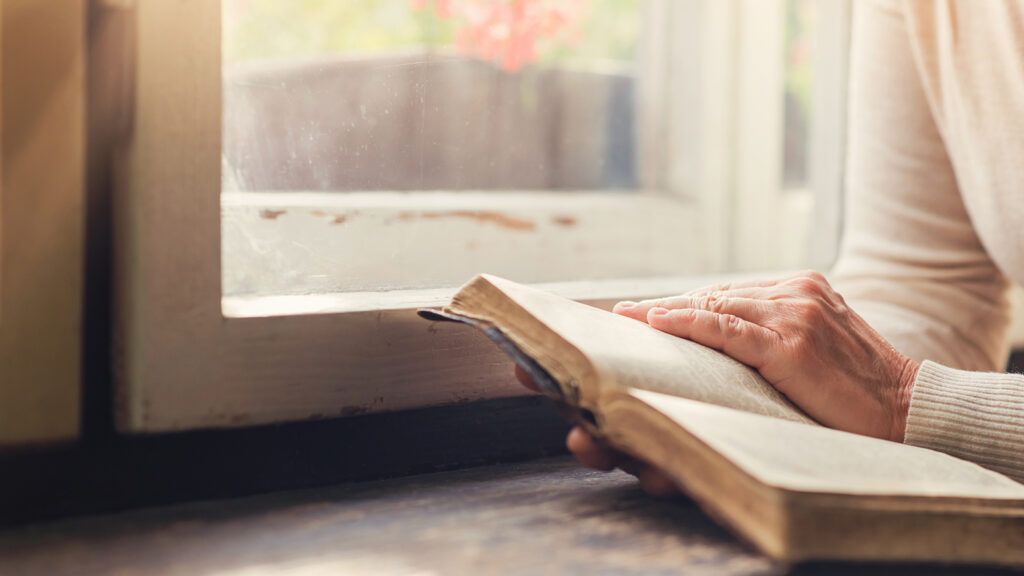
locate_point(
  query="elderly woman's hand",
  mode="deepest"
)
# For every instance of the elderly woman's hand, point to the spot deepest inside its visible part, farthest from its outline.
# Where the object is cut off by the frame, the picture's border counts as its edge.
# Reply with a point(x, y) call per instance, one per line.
point(803, 338)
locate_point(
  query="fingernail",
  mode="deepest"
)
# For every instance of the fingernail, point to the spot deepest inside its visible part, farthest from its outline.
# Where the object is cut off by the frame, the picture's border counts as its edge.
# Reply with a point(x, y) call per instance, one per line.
point(625, 305)
point(658, 311)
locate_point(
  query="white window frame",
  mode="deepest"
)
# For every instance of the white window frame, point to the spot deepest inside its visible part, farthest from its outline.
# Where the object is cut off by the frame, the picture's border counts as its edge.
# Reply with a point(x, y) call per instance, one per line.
point(42, 157)
point(189, 358)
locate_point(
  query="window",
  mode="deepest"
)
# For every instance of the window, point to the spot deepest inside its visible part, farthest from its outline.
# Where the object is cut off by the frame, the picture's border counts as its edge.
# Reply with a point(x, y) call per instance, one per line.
point(514, 115)
point(302, 175)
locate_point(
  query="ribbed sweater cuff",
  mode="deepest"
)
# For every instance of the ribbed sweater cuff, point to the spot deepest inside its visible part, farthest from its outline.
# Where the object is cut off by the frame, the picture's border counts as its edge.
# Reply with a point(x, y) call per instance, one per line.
point(976, 416)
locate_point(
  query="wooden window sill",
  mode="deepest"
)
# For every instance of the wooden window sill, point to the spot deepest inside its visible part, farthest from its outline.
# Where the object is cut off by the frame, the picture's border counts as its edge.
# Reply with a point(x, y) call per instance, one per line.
point(546, 516)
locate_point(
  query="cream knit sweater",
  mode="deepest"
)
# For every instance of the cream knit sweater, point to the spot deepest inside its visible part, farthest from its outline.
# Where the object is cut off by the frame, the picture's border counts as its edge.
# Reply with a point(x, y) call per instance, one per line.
point(935, 215)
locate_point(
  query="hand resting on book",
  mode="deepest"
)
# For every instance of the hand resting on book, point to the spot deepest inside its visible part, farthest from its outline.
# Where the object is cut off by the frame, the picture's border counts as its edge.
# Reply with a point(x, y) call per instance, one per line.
point(800, 335)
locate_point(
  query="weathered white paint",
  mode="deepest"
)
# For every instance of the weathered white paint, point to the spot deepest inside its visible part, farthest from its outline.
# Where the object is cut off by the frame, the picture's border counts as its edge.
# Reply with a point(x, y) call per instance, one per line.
point(185, 365)
point(283, 360)
point(267, 353)
point(312, 243)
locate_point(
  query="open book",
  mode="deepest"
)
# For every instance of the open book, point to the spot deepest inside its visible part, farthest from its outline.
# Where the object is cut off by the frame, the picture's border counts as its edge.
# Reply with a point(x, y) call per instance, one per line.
point(796, 490)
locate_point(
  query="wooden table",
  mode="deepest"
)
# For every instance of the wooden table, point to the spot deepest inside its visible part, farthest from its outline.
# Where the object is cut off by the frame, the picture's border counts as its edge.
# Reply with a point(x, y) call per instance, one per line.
point(543, 517)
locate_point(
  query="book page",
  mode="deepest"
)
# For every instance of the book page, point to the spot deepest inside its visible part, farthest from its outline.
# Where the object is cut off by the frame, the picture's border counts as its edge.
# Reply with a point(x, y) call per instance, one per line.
point(630, 354)
point(798, 457)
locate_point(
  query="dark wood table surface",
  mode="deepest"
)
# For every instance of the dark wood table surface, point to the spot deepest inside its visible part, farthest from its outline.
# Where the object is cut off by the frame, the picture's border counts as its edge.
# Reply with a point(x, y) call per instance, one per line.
point(542, 517)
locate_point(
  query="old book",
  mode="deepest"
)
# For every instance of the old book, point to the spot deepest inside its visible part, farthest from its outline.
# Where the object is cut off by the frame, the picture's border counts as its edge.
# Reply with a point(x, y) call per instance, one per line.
point(796, 490)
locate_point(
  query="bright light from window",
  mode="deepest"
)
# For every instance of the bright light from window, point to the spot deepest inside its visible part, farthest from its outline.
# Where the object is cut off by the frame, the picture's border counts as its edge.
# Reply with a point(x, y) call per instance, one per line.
point(429, 94)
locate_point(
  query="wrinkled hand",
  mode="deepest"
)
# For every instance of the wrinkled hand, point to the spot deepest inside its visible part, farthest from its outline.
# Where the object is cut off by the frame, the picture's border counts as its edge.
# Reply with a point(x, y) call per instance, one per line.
point(802, 337)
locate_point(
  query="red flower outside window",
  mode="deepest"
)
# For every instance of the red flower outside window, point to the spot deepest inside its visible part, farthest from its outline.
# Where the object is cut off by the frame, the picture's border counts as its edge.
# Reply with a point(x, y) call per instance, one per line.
point(510, 33)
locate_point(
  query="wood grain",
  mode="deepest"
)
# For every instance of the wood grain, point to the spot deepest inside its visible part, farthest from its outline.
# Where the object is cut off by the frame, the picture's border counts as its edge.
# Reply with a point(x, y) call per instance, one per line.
point(545, 517)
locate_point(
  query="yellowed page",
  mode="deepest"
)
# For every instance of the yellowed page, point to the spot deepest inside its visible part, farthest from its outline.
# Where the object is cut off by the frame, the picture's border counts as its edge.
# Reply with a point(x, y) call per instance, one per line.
point(804, 458)
point(629, 353)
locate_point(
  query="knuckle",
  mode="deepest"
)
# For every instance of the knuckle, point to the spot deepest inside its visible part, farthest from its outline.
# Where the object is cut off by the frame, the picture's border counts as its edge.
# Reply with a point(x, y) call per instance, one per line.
point(812, 282)
point(730, 326)
point(838, 298)
point(840, 308)
point(715, 302)
point(816, 277)
point(806, 286)
point(702, 302)
point(687, 315)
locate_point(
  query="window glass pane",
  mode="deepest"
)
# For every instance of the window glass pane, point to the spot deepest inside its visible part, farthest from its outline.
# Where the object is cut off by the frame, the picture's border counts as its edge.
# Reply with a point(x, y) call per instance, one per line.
point(499, 114)
point(429, 94)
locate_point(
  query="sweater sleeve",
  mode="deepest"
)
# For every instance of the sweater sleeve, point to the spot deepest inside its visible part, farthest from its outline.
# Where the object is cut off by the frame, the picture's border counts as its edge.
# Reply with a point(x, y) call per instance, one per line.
point(910, 261)
point(976, 416)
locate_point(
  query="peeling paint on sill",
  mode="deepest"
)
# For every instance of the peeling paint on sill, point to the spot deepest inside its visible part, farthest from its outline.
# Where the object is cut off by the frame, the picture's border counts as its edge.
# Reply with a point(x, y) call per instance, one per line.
point(483, 216)
point(268, 214)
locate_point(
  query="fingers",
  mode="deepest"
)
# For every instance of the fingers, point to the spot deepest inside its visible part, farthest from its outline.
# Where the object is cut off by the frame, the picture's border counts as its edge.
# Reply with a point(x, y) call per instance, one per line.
point(709, 297)
point(706, 298)
point(593, 454)
point(743, 340)
point(656, 483)
point(750, 309)
point(590, 452)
